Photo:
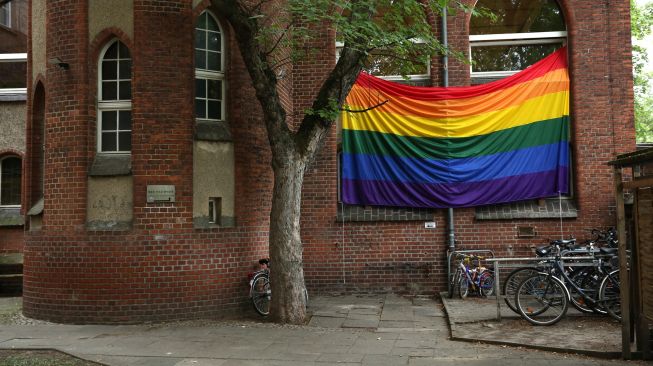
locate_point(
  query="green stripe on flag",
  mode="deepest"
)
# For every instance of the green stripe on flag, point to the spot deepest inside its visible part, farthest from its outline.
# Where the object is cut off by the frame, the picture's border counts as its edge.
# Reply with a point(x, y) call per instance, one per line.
point(534, 134)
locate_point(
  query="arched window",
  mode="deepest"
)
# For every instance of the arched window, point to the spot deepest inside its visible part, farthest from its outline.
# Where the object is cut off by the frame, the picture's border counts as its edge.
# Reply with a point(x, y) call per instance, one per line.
point(209, 69)
point(114, 105)
point(38, 144)
point(522, 33)
point(10, 172)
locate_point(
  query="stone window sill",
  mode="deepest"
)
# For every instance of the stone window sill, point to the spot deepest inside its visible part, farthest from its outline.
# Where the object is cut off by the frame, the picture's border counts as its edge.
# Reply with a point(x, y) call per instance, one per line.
point(10, 216)
point(532, 209)
point(111, 165)
point(217, 131)
point(379, 213)
point(203, 223)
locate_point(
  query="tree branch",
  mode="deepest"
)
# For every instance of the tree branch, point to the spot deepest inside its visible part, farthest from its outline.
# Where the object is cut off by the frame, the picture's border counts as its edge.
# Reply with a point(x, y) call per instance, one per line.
point(334, 90)
point(280, 63)
point(278, 41)
point(364, 110)
point(256, 8)
point(264, 81)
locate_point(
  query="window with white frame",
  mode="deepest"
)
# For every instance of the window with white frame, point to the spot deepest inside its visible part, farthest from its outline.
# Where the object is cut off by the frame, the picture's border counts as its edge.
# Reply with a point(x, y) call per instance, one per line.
point(114, 104)
point(5, 15)
point(10, 172)
point(521, 33)
point(215, 210)
point(13, 53)
point(209, 69)
point(13, 71)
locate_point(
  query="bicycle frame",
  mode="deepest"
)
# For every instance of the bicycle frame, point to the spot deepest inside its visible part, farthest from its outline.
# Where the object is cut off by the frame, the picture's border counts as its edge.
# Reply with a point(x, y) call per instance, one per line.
point(468, 272)
point(559, 269)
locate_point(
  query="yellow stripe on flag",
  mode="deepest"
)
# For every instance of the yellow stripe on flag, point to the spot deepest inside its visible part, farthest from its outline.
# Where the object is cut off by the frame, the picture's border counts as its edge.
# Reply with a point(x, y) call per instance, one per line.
point(550, 106)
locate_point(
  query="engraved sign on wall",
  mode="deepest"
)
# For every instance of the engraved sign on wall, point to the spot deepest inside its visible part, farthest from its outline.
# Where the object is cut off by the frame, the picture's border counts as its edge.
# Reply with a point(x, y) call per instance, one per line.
point(160, 193)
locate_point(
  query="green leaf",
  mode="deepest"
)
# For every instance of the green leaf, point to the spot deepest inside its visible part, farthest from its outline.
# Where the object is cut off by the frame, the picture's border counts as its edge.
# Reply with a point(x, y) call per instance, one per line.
point(642, 26)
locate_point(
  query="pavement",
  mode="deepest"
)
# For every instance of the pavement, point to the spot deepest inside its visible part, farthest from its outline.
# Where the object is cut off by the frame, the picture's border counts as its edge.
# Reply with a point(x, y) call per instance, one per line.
point(343, 330)
point(476, 319)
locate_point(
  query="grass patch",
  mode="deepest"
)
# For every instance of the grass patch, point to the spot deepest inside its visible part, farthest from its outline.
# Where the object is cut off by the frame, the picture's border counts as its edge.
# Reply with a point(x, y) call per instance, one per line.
point(40, 358)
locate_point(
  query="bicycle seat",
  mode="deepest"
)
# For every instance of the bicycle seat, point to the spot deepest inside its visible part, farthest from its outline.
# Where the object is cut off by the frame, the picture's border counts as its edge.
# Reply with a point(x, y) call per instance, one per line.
point(564, 242)
point(543, 251)
point(609, 251)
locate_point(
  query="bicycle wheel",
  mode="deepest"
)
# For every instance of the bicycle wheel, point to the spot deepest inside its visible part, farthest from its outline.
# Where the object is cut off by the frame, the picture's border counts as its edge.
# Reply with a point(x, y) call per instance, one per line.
point(453, 281)
point(260, 293)
point(463, 286)
point(591, 284)
point(512, 282)
point(486, 283)
point(610, 296)
point(542, 299)
point(577, 299)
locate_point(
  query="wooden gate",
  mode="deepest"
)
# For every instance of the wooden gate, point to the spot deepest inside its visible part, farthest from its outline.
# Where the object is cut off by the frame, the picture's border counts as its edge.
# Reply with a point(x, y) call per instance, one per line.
point(637, 287)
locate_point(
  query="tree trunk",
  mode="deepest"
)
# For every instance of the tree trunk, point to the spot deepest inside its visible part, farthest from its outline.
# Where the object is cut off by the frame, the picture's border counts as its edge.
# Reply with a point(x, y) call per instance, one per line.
point(287, 274)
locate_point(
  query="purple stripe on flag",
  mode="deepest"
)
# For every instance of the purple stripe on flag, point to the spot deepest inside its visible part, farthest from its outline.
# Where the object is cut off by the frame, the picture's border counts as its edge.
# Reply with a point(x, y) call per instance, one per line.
point(516, 188)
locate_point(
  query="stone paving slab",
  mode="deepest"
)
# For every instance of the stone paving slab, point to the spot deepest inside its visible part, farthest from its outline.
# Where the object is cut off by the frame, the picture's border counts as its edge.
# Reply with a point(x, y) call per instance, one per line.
point(361, 323)
point(474, 319)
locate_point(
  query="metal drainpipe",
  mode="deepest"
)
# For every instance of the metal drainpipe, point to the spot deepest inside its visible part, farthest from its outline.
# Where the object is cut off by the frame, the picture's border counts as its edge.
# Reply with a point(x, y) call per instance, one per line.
point(445, 77)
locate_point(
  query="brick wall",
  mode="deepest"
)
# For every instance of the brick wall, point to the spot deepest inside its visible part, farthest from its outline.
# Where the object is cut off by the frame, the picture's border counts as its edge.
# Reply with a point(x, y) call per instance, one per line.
point(163, 269)
point(11, 240)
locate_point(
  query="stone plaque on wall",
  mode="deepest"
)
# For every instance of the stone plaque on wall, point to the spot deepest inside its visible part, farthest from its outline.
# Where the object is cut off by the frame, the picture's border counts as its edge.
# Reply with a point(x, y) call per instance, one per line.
point(160, 193)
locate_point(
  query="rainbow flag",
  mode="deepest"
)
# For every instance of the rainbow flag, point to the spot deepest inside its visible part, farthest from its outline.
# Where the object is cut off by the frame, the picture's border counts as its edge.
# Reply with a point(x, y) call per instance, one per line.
point(458, 147)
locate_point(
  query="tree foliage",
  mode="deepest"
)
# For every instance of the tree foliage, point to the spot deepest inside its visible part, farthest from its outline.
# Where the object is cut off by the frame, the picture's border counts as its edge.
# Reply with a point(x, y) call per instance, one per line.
point(642, 26)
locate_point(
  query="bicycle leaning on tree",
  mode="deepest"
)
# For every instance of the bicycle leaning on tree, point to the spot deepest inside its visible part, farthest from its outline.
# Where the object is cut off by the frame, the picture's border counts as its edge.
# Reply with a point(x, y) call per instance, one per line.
point(259, 288)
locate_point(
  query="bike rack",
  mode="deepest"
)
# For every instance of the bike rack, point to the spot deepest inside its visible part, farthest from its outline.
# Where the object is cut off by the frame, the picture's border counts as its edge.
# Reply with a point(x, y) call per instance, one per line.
point(496, 265)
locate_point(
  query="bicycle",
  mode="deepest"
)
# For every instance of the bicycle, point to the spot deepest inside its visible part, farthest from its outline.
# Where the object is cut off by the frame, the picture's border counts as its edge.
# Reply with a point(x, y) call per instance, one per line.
point(518, 275)
point(475, 278)
point(260, 291)
point(605, 237)
point(259, 288)
point(543, 298)
point(588, 277)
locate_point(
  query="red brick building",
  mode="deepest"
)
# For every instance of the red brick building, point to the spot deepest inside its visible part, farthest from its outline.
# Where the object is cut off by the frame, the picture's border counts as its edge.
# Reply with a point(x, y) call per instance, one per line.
point(13, 68)
point(151, 198)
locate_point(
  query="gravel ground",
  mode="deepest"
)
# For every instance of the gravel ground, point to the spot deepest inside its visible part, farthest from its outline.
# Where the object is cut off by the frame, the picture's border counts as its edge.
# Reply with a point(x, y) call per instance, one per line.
point(11, 313)
point(40, 358)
